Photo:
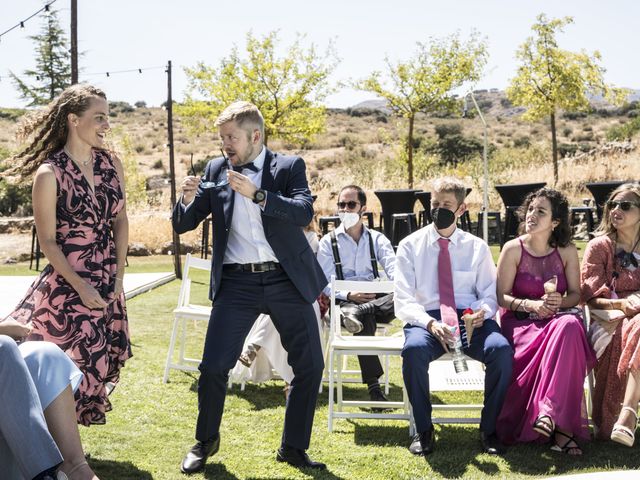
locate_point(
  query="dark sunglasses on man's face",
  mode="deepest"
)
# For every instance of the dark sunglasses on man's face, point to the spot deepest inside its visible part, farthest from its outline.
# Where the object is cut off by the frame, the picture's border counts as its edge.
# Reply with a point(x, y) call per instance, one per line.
point(350, 205)
point(625, 205)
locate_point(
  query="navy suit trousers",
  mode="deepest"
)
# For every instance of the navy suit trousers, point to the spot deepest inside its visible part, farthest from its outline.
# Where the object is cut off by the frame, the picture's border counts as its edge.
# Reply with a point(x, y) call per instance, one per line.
point(241, 298)
point(487, 346)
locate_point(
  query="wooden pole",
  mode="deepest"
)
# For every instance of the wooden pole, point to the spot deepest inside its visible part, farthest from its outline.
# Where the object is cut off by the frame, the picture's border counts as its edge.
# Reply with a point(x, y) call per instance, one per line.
point(74, 42)
point(172, 170)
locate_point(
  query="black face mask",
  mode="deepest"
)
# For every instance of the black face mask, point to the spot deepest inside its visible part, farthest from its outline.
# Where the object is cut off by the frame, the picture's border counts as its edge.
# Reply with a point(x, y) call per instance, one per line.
point(443, 217)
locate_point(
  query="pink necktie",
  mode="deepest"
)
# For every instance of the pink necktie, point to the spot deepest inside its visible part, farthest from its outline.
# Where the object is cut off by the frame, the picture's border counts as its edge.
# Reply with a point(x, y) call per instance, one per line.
point(445, 285)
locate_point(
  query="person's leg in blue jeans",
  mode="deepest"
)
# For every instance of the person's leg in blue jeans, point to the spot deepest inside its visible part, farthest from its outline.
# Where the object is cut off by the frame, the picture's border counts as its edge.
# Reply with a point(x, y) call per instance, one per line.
point(22, 423)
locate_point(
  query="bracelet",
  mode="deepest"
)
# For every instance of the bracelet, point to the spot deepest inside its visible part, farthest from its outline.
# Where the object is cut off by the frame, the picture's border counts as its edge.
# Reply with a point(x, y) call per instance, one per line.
point(511, 304)
point(524, 305)
point(119, 278)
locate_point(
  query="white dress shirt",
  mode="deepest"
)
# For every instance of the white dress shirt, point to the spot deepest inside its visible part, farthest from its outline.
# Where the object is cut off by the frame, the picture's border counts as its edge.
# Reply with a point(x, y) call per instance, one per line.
point(247, 242)
point(356, 257)
point(416, 275)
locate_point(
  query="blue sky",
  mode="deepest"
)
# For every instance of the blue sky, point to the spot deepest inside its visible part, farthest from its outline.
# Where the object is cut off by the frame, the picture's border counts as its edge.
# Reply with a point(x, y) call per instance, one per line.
point(121, 35)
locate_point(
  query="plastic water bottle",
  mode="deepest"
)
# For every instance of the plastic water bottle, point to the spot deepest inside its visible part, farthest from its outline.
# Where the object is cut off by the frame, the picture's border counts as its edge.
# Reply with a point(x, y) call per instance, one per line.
point(459, 360)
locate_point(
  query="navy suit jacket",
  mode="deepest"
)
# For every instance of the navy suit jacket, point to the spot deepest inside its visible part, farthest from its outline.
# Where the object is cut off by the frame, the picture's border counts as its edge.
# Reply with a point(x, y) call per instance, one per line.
point(288, 208)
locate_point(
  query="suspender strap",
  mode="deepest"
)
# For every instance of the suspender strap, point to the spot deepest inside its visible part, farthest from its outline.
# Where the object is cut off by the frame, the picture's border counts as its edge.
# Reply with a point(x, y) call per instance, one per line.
point(374, 262)
point(338, 264)
point(336, 256)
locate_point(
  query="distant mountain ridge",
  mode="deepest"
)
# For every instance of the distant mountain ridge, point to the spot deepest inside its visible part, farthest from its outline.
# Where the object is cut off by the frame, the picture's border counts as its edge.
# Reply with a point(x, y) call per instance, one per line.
point(492, 101)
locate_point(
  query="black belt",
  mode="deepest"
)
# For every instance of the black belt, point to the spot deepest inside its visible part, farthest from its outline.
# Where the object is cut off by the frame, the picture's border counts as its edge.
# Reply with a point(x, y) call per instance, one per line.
point(252, 267)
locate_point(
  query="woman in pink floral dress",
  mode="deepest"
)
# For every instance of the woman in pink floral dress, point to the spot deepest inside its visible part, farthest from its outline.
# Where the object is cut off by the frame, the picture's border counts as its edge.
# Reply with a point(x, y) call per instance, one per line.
point(79, 208)
point(611, 281)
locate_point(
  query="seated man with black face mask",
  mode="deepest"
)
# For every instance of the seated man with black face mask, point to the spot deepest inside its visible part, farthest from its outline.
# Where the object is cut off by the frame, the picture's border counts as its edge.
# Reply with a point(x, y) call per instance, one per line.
point(442, 273)
point(353, 252)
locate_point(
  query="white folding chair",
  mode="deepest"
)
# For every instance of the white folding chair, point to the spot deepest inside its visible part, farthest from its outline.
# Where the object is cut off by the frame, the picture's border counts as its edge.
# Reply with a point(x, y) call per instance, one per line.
point(443, 378)
point(183, 312)
point(590, 381)
point(340, 345)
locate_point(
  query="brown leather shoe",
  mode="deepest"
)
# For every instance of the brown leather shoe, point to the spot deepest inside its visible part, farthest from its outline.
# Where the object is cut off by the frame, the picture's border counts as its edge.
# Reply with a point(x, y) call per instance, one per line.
point(195, 460)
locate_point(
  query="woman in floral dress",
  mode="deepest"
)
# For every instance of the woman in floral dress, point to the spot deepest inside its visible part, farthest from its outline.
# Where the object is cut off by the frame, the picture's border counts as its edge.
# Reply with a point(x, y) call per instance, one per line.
point(611, 281)
point(77, 302)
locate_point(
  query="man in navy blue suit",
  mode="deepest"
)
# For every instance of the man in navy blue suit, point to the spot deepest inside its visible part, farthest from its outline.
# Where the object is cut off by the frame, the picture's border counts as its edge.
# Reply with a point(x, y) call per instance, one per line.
point(261, 263)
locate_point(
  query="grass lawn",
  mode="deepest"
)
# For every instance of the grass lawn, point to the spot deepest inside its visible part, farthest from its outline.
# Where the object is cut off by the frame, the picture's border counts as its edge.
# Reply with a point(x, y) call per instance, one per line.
point(152, 424)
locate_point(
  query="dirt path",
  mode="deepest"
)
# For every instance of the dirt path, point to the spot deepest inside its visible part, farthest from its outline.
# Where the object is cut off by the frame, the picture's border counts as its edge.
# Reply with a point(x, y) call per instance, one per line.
point(12, 245)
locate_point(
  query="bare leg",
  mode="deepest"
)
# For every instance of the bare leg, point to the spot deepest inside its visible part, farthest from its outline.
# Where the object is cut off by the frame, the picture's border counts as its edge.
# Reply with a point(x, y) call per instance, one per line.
point(631, 398)
point(61, 421)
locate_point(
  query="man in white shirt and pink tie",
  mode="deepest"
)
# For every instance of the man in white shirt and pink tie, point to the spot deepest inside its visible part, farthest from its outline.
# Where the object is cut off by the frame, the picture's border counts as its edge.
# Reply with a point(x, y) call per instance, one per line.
point(441, 271)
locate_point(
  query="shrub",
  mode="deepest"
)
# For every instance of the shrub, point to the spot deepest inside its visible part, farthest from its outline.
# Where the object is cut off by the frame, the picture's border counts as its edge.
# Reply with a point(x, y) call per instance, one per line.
point(157, 164)
point(13, 197)
point(506, 103)
point(140, 104)
point(574, 115)
point(624, 131)
point(454, 147)
point(120, 107)
point(567, 149)
point(523, 141)
point(566, 131)
point(485, 104)
point(12, 114)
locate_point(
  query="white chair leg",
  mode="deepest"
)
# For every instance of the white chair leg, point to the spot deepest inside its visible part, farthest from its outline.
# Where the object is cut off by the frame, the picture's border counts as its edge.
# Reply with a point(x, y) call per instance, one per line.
point(172, 344)
point(183, 336)
point(330, 424)
point(339, 384)
point(386, 374)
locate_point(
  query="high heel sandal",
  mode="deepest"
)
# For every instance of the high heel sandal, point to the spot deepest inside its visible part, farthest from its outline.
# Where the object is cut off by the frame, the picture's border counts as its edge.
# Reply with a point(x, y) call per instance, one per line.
point(249, 355)
point(544, 425)
point(565, 447)
point(622, 434)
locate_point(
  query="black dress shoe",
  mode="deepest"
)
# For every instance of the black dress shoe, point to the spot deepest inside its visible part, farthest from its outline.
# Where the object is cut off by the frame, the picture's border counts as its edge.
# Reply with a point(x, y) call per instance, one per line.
point(422, 443)
point(491, 444)
point(377, 395)
point(298, 458)
point(195, 460)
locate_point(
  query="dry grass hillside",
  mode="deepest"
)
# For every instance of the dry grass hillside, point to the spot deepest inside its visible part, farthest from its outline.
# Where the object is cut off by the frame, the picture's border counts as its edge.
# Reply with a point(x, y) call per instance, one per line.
point(362, 146)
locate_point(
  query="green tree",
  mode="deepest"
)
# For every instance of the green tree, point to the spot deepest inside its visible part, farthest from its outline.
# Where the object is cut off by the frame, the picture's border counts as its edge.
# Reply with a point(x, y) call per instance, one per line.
point(425, 83)
point(551, 79)
point(288, 90)
point(52, 73)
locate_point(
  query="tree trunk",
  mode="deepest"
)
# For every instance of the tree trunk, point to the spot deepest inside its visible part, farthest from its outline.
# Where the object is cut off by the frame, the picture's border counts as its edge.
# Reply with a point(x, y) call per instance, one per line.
point(410, 150)
point(266, 137)
point(554, 147)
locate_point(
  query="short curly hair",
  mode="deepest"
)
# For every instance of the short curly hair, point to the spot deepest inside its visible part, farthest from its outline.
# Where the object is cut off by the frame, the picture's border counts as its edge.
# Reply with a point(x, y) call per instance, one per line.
point(561, 235)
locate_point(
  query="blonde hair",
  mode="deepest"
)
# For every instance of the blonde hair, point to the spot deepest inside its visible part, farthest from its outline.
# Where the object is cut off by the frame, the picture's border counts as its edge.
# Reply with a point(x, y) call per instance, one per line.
point(49, 129)
point(606, 227)
point(451, 185)
point(245, 114)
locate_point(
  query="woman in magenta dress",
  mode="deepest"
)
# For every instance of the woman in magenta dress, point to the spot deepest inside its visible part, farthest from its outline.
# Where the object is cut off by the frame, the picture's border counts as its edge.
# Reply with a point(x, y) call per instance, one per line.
point(79, 208)
point(538, 278)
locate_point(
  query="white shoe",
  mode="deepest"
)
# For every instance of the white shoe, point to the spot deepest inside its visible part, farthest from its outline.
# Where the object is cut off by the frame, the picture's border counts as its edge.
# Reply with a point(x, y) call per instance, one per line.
point(622, 434)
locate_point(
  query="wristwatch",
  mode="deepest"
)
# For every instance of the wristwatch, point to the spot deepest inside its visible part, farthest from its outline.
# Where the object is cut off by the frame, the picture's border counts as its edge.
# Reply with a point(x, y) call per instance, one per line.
point(259, 196)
